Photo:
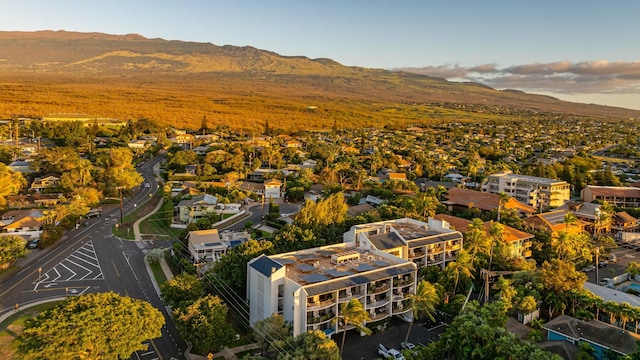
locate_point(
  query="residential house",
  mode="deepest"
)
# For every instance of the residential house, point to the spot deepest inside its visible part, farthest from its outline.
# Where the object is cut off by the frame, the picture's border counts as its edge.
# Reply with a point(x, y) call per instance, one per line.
point(589, 213)
point(197, 207)
point(432, 243)
point(624, 197)
point(255, 188)
point(21, 166)
point(40, 184)
point(623, 222)
point(541, 193)
point(32, 200)
point(272, 188)
point(603, 338)
point(25, 223)
point(210, 245)
point(459, 199)
point(308, 287)
point(140, 145)
point(201, 150)
point(314, 193)
point(396, 176)
point(554, 222)
point(519, 242)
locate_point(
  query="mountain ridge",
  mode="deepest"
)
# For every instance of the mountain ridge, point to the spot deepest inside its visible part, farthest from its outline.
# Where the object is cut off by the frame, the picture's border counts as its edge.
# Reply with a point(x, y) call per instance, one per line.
point(87, 72)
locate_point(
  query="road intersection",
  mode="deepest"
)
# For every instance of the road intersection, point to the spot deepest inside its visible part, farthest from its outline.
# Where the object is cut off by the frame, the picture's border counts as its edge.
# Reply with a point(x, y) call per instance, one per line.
point(91, 259)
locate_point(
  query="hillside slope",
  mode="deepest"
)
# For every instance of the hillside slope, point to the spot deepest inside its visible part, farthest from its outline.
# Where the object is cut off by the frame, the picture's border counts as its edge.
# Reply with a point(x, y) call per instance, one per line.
point(130, 77)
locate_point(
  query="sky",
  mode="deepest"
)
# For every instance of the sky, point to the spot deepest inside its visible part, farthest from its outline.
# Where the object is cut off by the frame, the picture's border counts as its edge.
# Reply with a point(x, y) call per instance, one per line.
point(577, 50)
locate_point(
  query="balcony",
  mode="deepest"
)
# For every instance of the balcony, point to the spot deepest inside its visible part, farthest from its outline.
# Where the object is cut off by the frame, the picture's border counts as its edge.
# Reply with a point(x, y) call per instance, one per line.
point(415, 254)
point(320, 319)
point(526, 253)
point(402, 282)
point(320, 304)
point(435, 250)
point(345, 297)
point(377, 303)
point(453, 246)
point(376, 289)
point(527, 244)
point(379, 316)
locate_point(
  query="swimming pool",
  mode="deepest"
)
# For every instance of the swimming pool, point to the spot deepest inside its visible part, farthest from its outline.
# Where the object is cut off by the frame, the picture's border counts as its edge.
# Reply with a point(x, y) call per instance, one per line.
point(634, 286)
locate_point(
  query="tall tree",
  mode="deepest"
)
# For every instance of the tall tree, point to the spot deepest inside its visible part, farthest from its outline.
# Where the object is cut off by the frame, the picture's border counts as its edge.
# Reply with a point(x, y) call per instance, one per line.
point(181, 291)
point(423, 302)
point(11, 248)
point(269, 330)
point(461, 267)
point(91, 326)
point(476, 240)
point(353, 313)
point(310, 345)
point(12, 182)
point(204, 324)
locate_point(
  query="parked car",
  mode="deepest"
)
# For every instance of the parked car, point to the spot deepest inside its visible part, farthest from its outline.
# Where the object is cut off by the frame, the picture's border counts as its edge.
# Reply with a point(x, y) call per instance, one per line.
point(605, 281)
point(388, 353)
point(33, 244)
point(613, 258)
point(588, 268)
point(602, 264)
point(407, 345)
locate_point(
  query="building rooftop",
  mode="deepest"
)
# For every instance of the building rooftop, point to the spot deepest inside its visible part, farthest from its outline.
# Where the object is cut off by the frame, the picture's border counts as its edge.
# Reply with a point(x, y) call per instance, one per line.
point(334, 267)
point(528, 178)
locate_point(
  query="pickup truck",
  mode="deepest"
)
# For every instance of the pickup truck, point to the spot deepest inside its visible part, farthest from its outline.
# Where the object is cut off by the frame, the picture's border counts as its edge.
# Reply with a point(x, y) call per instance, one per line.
point(388, 353)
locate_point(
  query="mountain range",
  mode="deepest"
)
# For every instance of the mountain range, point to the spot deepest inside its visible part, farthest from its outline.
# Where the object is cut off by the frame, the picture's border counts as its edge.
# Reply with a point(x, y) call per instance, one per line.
point(179, 83)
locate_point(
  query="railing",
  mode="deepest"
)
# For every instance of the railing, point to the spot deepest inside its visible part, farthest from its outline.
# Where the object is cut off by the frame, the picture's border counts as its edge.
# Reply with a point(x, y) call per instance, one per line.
point(371, 289)
point(320, 319)
point(435, 250)
point(320, 304)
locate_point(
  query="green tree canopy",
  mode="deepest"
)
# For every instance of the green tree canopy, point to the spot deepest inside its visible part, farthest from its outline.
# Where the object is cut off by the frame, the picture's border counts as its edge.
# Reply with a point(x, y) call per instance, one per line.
point(311, 345)
point(204, 323)
point(561, 276)
point(92, 326)
point(11, 248)
point(182, 290)
point(12, 182)
point(269, 330)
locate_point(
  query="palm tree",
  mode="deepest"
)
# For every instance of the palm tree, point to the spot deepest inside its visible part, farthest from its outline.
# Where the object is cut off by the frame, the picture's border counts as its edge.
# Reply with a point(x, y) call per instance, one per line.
point(461, 267)
point(476, 239)
point(496, 231)
point(503, 198)
point(506, 291)
point(424, 300)
point(353, 313)
point(569, 218)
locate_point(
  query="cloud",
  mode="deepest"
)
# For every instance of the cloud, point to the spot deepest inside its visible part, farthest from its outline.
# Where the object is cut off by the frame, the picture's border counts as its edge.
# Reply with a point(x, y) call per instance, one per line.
point(562, 77)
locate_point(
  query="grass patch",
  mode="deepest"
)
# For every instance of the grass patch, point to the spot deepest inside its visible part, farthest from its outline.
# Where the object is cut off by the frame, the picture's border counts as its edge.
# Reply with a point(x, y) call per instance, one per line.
point(158, 274)
point(19, 317)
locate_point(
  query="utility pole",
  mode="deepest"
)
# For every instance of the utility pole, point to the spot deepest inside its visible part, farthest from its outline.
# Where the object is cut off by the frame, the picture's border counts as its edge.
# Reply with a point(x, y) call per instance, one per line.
point(597, 267)
point(121, 216)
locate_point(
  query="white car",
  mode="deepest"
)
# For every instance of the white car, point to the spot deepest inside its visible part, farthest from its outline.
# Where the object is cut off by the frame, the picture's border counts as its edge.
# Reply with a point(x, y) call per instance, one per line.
point(588, 268)
point(407, 345)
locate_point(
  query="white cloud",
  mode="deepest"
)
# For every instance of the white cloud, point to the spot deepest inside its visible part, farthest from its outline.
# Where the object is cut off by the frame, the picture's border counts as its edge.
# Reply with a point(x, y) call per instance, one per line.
point(562, 77)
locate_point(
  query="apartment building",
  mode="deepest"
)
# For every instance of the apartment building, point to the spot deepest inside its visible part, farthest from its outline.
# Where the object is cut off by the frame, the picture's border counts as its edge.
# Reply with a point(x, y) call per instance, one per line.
point(426, 244)
point(624, 197)
point(308, 287)
point(541, 193)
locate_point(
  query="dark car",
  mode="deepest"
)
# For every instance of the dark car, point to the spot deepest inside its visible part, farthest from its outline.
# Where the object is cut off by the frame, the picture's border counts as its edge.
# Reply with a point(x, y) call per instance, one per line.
point(602, 264)
point(33, 244)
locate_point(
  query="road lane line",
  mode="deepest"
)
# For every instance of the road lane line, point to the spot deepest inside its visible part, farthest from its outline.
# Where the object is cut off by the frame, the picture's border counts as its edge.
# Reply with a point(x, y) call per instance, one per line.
point(115, 268)
point(155, 349)
point(128, 263)
point(73, 272)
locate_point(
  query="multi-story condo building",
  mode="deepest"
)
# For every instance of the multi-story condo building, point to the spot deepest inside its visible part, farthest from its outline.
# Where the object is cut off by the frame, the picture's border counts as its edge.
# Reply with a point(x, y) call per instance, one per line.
point(426, 244)
point(541, 193)
point(308, 287)
point(624, 197)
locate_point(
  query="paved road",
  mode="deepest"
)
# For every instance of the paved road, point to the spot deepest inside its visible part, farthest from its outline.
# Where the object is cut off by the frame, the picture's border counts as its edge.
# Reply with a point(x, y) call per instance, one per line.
point(91, 259)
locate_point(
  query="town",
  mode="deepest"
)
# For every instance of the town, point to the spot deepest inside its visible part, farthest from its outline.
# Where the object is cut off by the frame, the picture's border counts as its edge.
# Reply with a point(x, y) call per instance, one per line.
point(344, 243)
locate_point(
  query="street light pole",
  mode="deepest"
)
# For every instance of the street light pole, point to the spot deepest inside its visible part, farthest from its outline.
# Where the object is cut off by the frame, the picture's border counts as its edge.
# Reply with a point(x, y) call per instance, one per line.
point(121, 217)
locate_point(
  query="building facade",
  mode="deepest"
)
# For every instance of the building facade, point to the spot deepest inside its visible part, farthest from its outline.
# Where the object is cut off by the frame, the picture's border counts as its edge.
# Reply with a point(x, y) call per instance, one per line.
point(541, 193)
point(425, 244)
point(309, 287)
point(624, 197)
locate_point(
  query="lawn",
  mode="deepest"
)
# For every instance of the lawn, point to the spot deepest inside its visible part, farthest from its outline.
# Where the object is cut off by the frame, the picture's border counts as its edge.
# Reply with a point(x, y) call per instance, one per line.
point(11, 328)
